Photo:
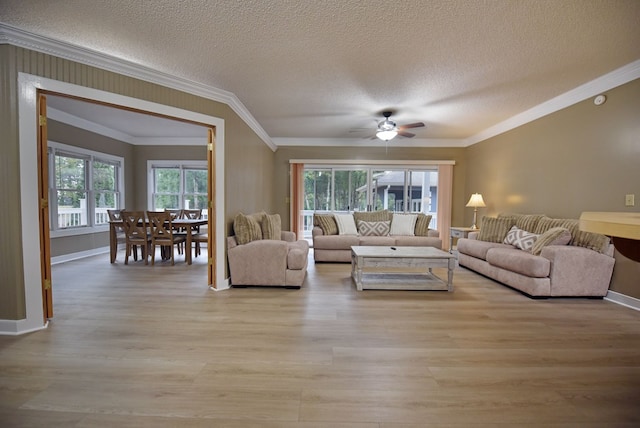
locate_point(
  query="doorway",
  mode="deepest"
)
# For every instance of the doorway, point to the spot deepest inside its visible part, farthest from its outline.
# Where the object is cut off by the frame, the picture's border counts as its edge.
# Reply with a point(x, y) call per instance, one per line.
point(29, 87)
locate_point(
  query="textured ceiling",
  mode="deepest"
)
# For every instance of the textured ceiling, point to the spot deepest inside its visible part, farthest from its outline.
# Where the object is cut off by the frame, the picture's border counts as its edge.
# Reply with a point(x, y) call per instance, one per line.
point(325, 69)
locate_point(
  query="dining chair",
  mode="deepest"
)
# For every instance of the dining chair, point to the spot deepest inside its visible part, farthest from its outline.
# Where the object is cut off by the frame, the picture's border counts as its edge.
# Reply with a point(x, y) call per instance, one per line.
point(163, 234)
point(136, 234)
point(176, 214)
point(121, 238)
point(195, 230)
point(198, 239)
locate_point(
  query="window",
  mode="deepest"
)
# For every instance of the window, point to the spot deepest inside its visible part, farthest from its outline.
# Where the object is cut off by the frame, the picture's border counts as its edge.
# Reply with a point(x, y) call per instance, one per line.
point(178, 185)
point(83, 185)
point(397, 189)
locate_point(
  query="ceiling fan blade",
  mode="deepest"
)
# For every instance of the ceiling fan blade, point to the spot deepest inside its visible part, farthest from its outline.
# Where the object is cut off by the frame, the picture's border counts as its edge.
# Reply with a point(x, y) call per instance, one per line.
point(406, 134)
point(412, 125)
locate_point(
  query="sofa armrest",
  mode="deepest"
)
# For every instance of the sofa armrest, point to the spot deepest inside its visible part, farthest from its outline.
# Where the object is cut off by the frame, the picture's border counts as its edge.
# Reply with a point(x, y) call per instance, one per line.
point(473, 235)
point(287, 236)
point(433, 233)
point(577, 271)
point(262, 262)
point(231, 242)
point(316, 231)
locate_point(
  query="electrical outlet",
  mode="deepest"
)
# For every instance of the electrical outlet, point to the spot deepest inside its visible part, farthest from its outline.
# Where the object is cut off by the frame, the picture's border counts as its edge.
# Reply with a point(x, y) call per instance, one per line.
point(629, 200)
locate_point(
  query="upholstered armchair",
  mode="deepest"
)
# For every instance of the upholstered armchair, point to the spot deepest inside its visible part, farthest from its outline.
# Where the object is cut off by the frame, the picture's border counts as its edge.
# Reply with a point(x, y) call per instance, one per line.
point(268, 262)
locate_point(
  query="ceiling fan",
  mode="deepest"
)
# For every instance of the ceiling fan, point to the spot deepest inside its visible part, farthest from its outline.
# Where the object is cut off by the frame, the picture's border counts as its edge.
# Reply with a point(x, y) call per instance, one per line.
point(388, 129)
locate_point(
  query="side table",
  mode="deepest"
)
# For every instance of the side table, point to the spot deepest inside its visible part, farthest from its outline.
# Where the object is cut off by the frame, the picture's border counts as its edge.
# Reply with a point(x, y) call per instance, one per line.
point(459, 232)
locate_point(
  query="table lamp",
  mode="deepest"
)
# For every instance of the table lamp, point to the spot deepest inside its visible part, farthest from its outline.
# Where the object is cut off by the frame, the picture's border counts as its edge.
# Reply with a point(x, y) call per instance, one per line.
point(476, 202)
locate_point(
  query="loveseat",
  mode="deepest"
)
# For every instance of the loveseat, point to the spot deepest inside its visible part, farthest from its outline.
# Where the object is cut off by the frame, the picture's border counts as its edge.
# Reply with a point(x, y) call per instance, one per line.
point(334, 234)
point(540, 256)
point(261, 254)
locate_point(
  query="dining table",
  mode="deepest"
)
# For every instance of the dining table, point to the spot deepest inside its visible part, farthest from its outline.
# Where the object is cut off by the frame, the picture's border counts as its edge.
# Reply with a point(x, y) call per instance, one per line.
point(186, 224)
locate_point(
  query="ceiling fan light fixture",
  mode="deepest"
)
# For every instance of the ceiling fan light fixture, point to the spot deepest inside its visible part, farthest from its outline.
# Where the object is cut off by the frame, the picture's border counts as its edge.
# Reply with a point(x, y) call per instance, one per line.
point(387, 135)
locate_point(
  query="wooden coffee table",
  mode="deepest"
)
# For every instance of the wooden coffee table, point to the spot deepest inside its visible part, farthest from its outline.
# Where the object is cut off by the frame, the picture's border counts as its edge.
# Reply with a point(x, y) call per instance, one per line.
point(400, 268)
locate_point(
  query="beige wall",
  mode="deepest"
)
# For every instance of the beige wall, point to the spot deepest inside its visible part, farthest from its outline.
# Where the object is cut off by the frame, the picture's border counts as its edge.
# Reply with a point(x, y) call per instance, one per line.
point(582, 158)
point(246, 155)
point(377, 151)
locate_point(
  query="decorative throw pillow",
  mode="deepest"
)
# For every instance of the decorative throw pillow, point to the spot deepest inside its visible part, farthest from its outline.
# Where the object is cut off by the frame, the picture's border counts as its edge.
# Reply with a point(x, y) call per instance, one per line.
point(422, 225)
point(403, 224)
point(246, 229)
point(346, 224)
point(526, 222)
point(383, 215)
point(326, 222)
point(374, 228)
point(495, 229)
point(271, 226)
point(520, 238)
point(553, 236)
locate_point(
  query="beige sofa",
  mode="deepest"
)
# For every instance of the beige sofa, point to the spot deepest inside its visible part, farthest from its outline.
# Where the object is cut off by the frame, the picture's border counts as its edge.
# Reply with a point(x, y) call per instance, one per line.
point(260, 254)
point(574, 264)
point(330, 246)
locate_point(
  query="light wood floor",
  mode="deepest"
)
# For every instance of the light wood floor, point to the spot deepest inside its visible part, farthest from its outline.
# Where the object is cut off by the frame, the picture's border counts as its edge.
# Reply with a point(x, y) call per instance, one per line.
point(138, 346)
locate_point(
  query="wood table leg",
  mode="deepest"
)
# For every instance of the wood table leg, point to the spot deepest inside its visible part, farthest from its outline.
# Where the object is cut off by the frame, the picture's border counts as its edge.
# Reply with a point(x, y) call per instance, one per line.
point(187, 250)
point(113, 242)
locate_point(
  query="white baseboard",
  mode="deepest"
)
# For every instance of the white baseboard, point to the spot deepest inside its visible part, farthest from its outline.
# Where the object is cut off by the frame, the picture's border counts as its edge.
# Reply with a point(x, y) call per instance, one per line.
point(18, 327)
point(623, 299)
point(79, 255)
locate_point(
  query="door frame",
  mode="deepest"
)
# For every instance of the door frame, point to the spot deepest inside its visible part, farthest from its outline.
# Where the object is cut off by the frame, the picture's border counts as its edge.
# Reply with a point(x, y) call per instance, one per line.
point(28, 86)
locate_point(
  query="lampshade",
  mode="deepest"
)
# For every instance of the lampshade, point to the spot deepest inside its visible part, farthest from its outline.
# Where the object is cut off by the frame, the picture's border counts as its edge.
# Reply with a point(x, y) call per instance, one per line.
point(386, 135)
point(476, 201)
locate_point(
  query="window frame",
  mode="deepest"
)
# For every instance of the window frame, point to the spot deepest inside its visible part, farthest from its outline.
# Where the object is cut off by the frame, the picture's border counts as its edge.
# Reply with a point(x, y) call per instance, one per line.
point(89, 156)
point(182, 165)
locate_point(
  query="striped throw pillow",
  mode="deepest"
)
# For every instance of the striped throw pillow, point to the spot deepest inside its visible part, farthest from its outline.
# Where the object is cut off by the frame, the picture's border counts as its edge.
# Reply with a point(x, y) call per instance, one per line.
point(271, 227)
point(495, 229)
point(246, 228)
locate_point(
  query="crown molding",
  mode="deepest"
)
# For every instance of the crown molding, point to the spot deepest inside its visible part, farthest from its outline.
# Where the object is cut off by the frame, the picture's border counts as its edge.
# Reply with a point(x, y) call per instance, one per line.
point(24, 39)
point(597, 86)
point(367, 142)
point(96, 128)
point(69, 119)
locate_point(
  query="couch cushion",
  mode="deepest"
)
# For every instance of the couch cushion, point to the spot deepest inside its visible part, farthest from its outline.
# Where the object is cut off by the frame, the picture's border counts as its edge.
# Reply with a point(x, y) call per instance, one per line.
point(403, 224)
point(495, 229)
point(326, 222)
point(377, 240)
point(478, 249)
point(520, 239)
point(418, 241)
point(374, 228)
point(519, 261)
point(271, 226)
point(553, 236)
point(422, 224)
point(335, 242)
point(346, 224)
point(246, 228)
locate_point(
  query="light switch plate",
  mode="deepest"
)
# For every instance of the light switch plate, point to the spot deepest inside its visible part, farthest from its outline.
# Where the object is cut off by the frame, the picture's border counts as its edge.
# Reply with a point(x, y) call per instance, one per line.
point(629, 200)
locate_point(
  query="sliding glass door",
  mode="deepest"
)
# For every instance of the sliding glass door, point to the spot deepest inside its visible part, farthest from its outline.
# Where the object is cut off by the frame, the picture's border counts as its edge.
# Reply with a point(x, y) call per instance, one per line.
point(348, 189)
